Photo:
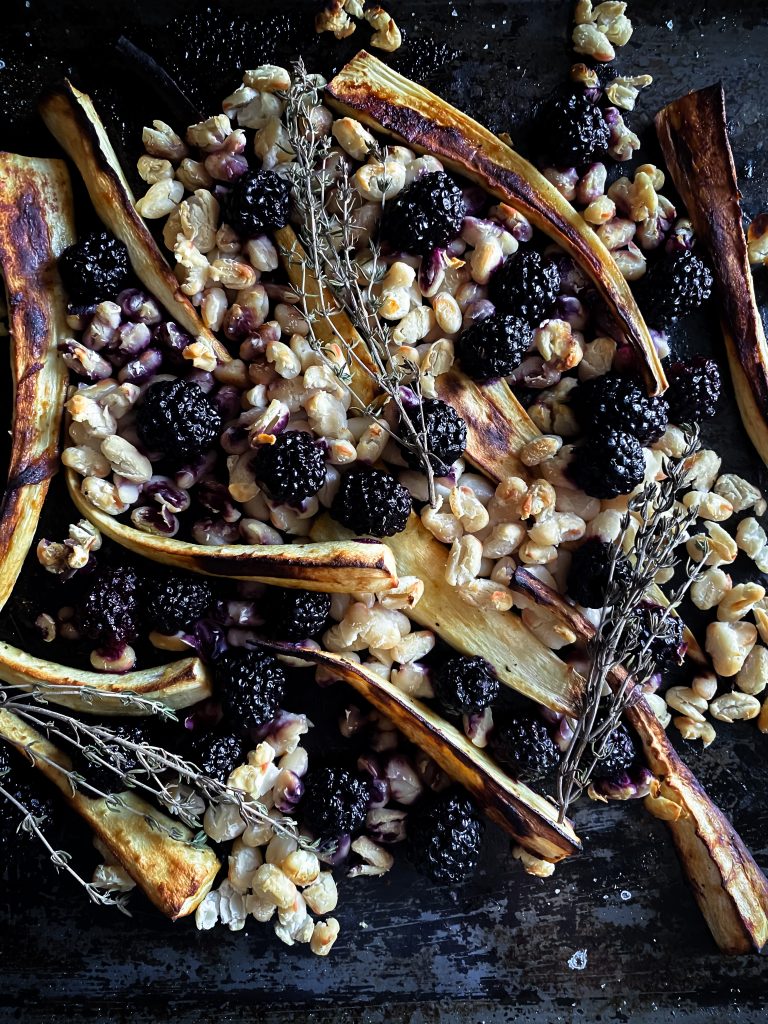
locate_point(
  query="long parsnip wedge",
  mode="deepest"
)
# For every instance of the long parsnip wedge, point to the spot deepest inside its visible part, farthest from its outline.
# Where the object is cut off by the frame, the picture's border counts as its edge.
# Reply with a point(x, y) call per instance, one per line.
point(173, 874)
point(71, 117)
point(693, 134)
point(177, 685)
point(729, 887)
point(521, 661)
point(528, 818)
point(375, 94)
point(36, 224)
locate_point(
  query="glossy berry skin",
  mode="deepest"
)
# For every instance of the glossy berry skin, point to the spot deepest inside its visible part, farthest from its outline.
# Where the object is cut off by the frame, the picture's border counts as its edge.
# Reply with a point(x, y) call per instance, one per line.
point(101, 777)
point(177, 602)
point(292, 468)
point(572, 129)
point(17, 779)
point(694, 390)
point(94, 269)
point(446, 435)
point(251, 685)
point(294, 615)
point(371, 502)
point(668, 646)
point(110, 610)
point(526, 285)
point(217, 754)
point(426, 215)
point(621, 754)
point(620, 403)
point(609, 463)
point(444, 837)
point(589, 572)
point(673, 287)
point(523, 746)
point(259, 201)
point(177, 419)
point(465, 685)
point(494, 347)
point(335, 802)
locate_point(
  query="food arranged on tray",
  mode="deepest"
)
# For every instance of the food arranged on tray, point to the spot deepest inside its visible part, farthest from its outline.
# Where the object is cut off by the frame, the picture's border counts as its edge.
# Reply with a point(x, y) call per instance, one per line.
point(359, 397)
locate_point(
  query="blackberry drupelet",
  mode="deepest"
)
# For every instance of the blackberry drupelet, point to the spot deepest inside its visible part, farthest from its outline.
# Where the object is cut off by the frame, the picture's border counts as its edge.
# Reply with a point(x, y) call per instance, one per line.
point(258, 201)
point(217, 754)
point(673, 287)
point(571, 129)
point(620, 403)
point(526, 285)
point(13, 838)
point(424, 216)
point(110, 610)
point(98, 775)
point(290, 469)
point(335, 802)
point(694, 390)
point(522, 744)
point(494, 347)
point(444, 837)
point(588, 574)
point(446, 435)
point(251, 685)
point(370, 501)
point(176, 418)
point(296, 614)
point(609, 463)
point(177, 603)
point(620, 756)
point(465, 685)
point(668, 647)
point(95, 268)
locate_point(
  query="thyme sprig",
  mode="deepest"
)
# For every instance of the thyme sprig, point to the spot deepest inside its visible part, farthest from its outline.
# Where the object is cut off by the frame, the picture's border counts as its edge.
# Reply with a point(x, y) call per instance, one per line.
point(662, 524)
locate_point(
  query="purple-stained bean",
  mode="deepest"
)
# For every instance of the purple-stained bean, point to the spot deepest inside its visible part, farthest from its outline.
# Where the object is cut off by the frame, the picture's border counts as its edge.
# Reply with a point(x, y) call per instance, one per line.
point(142, 368)
point(134, 338)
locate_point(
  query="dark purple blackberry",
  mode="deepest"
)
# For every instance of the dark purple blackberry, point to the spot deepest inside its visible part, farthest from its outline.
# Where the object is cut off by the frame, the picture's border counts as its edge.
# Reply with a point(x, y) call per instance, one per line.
point(17, 779)
point(424, 216)
point(100, 776)
point(525, 285)
point(694, 390)
point(370, 501)
point(621, 754)
point(335, 802)
point(446, 435)
point(217, 754)
point(290, 469)
point(494, 347)
point(177, 419)
point(523, 746)
point(668, 646)
point(588, 574)
point(607, 464)
point(674, 286)
point(251, 685)
point(444, 837)
point(95, 268)
point(109, 611)
point(295, 614)
point(620, 403)
point(465, 685)
point(571, 130)
point(177, 602)
point(259, 201)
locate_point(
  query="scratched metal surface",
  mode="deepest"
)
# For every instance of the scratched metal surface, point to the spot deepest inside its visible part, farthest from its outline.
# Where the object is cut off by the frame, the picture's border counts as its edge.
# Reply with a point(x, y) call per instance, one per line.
point(502, 948)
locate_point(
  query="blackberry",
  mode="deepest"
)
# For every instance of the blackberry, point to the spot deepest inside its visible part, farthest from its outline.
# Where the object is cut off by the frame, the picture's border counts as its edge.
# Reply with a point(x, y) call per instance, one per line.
point(109, 611)
point(292, 468)
point(588, 574)
point(177, 603)
point(673, 287)
point(494, 347)
point(521, 743)
point(694, 390)
point(296, 614)
point(446, 435)
point(251, 685)
point(668, 647)
point(609, 463)
point(465, 685)
point(525, 284)
point(98, 775)
point(95, 268)
point(177, 419)
point(13, 838)
point(335, 802)
point(425, 216)
point(444, 837)
point(621, 754)
point(257, 202)
point(620, 404)
point(217, 754)
point(370, 501)
point(571, 129)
